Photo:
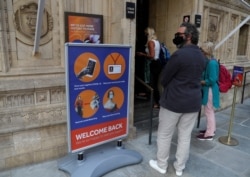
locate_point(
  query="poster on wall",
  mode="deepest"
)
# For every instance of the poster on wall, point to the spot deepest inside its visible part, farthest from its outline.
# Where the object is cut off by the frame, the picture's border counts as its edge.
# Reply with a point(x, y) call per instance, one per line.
point(237, 77)
point(83, 28)
point(186, 18)
point(97, 86)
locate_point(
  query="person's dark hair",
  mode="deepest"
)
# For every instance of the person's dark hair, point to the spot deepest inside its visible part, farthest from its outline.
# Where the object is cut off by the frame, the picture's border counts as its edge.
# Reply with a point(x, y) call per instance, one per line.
point(110, 91)
point(192, 30)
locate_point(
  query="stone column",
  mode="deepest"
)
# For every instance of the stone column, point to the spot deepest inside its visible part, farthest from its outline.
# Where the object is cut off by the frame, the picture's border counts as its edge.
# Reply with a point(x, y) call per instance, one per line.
point(4, 36)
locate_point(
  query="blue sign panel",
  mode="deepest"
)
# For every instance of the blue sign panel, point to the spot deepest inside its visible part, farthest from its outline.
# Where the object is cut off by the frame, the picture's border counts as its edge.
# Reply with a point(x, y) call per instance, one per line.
point(97, 82)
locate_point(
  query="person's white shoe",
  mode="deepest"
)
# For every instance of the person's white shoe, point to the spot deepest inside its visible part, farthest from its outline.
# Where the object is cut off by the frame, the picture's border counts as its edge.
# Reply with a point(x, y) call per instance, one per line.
point(178, 172)
point(153, 164)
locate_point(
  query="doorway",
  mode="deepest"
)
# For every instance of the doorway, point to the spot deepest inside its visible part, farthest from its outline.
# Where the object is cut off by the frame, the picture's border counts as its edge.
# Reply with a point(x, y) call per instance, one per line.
point(142, 14)
point(142, 94)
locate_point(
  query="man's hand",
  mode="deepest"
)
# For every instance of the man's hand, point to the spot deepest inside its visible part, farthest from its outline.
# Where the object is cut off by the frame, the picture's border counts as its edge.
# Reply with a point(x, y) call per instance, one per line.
point(83, 72)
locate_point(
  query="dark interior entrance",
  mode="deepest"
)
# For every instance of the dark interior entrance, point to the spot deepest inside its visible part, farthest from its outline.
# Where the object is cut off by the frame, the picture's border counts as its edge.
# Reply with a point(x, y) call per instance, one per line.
point(142, 107)
point(141, 23)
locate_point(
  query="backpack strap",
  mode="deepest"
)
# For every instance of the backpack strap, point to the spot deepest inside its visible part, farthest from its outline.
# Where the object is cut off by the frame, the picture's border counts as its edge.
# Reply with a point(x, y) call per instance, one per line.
point(218, 72)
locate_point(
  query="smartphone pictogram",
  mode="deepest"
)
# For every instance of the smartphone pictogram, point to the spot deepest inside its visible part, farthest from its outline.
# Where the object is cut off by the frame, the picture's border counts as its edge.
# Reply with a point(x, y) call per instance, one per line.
point(91, 67)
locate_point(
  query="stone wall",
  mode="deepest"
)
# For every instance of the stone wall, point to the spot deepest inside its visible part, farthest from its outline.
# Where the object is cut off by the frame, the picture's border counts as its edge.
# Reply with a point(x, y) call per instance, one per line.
point(33, 118)
point(33, 122)
point(32, 90)
point(166, 17)
point(219, 18)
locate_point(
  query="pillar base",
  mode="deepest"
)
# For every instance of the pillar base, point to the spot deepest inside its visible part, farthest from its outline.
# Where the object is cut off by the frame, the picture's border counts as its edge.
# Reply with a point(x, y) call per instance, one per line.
point(225, 140)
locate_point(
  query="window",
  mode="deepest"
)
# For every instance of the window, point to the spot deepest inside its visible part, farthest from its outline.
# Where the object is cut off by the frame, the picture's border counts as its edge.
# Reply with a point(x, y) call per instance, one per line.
point(243, 40)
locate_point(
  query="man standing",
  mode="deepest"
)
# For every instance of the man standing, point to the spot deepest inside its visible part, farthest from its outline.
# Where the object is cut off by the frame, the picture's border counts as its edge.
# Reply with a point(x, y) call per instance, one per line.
point(181, 99)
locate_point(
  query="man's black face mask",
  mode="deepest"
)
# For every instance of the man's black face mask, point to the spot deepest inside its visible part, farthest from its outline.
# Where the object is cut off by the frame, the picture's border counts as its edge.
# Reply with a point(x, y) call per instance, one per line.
point(179, 40)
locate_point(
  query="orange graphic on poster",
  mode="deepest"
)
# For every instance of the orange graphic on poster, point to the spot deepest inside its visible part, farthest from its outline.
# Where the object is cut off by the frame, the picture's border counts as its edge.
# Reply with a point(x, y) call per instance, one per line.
point(113, 99)
point(75, 37)
point(87, 67)
point(237, 80)
point(83, 29)
point(87, 103)
point(114, 66)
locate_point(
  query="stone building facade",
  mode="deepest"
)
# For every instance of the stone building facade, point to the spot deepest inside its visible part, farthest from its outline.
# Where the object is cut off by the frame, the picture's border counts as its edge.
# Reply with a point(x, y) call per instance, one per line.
point(218, 20)
point(33, 123)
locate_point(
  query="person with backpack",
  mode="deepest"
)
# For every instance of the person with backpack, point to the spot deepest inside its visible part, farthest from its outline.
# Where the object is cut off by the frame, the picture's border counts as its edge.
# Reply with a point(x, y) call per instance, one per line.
point(152, 52)
point(164, 54)
point(210, 91)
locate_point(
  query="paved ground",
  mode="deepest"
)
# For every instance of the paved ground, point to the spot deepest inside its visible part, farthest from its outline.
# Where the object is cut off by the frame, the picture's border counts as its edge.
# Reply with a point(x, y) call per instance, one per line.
point(207, 158)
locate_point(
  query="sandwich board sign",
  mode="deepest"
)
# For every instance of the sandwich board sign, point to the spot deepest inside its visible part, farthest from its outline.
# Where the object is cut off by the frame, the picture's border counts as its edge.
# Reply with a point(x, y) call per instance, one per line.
point(97, 86)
